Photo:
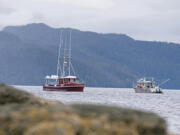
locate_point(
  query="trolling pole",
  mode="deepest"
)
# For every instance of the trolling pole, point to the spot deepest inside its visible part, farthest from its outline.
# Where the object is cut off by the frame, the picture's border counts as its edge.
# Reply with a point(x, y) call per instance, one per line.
point(164, 82)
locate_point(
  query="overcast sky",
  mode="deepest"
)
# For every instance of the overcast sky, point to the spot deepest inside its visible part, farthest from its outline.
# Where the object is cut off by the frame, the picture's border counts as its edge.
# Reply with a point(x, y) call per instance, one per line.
point(141, 19)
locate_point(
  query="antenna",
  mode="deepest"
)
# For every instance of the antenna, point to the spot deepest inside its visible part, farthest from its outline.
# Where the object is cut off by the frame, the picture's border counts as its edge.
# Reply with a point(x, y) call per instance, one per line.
point(58, 63)
point(70, 53)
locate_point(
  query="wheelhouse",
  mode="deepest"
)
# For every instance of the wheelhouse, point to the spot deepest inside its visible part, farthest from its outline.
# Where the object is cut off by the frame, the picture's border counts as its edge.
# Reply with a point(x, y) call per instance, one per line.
point(145, 83)
point(51, 80)
point(68, 79)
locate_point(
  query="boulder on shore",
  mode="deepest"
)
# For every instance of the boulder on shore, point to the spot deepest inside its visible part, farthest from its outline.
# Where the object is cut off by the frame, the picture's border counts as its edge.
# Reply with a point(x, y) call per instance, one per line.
point(22, 113)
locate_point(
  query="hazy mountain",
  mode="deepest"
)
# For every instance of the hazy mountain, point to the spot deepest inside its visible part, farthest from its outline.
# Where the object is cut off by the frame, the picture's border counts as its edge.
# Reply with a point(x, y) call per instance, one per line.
point(28, 53)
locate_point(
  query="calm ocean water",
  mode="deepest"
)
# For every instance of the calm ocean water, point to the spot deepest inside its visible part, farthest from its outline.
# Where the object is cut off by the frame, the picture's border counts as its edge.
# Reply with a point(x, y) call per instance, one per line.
point(166, 105)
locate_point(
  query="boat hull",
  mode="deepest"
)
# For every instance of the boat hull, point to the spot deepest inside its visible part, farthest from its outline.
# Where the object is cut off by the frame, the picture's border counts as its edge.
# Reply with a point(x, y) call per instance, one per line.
point(147, 90)
point(62, 88)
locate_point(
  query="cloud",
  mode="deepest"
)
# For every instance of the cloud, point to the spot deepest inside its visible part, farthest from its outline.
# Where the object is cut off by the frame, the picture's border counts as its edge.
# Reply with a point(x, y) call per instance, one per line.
point(141, 19)
point(4, 9)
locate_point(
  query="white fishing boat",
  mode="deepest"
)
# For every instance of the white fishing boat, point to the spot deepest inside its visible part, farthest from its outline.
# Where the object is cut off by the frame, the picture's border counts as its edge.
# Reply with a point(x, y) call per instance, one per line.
point(147, 85)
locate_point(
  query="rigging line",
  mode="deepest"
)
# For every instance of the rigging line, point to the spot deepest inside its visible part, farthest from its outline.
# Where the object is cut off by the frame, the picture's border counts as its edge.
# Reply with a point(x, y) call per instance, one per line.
point(73, 69)
point(58, 63)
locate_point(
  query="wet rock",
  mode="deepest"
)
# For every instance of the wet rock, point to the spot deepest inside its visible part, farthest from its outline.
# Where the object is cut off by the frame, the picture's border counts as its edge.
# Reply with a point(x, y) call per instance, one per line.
point(24, 114)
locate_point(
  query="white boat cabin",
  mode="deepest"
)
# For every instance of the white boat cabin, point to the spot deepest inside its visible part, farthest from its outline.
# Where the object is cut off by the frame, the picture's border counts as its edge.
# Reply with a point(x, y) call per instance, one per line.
point(55, 80)
point(144, 83)
point(68, 79)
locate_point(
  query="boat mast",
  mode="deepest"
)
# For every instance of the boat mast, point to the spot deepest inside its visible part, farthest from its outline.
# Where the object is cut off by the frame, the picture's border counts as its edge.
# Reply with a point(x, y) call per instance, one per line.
point(64, 62)
point(70, 54)
point(58, 63)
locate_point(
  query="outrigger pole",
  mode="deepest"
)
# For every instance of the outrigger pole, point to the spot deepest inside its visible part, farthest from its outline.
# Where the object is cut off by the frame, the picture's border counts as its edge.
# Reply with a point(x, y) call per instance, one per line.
point(163, 82)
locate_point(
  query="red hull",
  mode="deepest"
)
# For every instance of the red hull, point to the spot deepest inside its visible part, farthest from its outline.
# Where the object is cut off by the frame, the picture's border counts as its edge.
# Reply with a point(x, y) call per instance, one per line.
point(66, 88)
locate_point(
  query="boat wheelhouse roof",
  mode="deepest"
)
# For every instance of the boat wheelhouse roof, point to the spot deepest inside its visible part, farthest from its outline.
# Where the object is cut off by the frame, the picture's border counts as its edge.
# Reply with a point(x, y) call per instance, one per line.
point(70, 77)
point(145, 80)
point(52, 77)
point(57, 77)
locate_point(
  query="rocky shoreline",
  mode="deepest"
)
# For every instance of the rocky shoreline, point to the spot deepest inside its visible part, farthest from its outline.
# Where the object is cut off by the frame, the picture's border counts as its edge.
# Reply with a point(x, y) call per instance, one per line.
point(22, 113)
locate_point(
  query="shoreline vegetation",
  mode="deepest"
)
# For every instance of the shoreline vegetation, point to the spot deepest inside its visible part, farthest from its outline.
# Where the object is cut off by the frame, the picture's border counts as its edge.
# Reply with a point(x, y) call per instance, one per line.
point(22, 113)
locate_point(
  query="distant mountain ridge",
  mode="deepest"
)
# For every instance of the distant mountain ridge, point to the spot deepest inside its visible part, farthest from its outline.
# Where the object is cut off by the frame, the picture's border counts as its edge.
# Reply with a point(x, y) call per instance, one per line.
point(28, 53)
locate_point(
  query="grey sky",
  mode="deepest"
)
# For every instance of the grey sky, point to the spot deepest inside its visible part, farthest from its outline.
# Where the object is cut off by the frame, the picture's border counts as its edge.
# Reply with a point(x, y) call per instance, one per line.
point(141, 19)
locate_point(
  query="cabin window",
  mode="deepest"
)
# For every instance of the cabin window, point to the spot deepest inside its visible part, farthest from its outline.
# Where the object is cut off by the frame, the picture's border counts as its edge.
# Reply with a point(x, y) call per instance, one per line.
point(51, 81)
point(149, 85)
point(60, 81)
point(71, 80)
point(66, 80)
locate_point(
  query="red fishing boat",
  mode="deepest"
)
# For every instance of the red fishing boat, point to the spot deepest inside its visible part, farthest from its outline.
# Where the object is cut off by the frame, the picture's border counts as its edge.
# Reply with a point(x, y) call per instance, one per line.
point(64, 82)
